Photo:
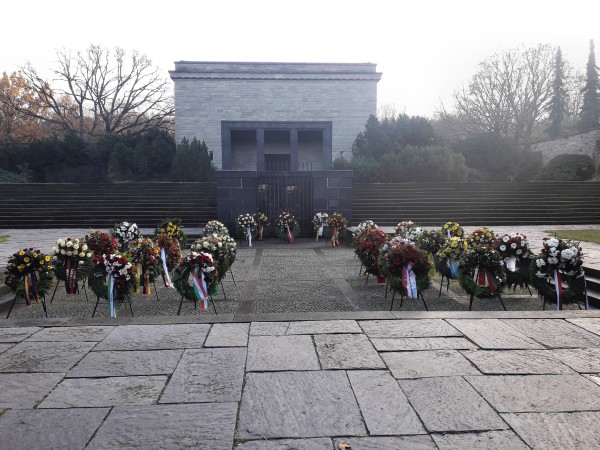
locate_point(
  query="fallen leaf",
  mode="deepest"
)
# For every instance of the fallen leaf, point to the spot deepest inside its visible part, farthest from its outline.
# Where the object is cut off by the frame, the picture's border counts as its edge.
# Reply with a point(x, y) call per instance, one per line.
point(344, 446)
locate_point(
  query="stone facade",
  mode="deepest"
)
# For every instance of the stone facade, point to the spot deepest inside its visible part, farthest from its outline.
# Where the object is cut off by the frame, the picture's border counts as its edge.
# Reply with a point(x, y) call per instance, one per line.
point(340, 97)
point(579, 144)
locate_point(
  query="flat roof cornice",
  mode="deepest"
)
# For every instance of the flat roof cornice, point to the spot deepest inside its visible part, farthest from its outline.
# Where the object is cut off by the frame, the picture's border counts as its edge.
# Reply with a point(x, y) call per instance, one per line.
point(274, 70)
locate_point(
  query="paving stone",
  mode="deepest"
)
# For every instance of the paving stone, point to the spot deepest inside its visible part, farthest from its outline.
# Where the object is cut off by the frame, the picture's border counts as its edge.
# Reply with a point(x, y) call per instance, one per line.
point(384, 406)
point(288, 444)
point(71, 334)
point(408, 328)
point(347, 351)
point(207, 375)
point(4, 347)
point(575, 430)
point(268, 328)
point(313, 292)
point(493, 333)
point(517, 362)
point(432, 363)
point(450, 404)
point(324, 327)
point(43, 356)
point(584, 360)
point(594, 378)
point(538, 393)
point(94, 392)
point(591, 324)
point(489, 440)
point(411, 344)
point(228, 335)
point(555, 333)
point(159, 337)
point(16, 334)
point(269, 353)
point(49, 428)
point(116, 364)
point(283, 270)
point(381, 443)
point(298, 404)
point(25, 390)
point(199, 426)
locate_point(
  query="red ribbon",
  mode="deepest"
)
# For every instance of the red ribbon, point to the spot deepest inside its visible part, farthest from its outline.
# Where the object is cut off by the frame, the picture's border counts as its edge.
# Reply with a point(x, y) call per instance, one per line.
point(290, 235)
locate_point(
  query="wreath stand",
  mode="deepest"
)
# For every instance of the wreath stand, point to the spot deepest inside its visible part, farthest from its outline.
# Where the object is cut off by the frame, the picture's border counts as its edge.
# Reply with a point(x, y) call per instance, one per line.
point(448, 278)
point(496, 295)
point(195, 301)
point(76, 289)
point(128, 300)
point(42, 297)
point(420, 294)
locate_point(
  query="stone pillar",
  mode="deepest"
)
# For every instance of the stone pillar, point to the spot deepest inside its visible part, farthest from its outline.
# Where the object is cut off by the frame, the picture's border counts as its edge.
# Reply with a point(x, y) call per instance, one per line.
point(294, 149)
point(260, 149)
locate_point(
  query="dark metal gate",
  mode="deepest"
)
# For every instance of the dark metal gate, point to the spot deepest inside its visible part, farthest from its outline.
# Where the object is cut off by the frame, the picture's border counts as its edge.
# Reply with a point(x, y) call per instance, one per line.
point(293, 192)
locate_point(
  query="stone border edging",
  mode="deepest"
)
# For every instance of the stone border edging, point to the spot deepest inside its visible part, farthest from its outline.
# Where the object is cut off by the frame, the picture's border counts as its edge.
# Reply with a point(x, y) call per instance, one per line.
point(297, 317)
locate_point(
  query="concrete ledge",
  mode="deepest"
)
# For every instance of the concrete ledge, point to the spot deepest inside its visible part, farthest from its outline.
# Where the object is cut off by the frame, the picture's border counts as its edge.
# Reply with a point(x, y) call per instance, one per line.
point(298, 317)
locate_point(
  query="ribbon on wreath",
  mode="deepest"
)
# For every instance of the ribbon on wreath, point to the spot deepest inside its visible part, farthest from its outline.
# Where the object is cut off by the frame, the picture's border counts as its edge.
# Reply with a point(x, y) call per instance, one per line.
point(137, 274)
point(587, 302)
point(453, 266)
point(334, 237)
point(511, 263)
point(290, 235)
point(200, 288)
point(146, 279)
point(558, 288)
point(30, 283)
point(249, 236)
point(260, 231)
point(321, 230)
point(112, 307)
point(71, 276)
point(484, 278)
point(409, 281)
point(168, 282)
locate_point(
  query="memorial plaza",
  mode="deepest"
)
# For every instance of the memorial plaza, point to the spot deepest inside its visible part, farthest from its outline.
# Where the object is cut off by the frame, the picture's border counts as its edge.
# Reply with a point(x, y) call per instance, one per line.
point(303, 353)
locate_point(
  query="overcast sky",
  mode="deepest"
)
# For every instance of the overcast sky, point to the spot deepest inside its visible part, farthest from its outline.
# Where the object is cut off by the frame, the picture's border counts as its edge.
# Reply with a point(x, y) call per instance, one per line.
point(425, 49)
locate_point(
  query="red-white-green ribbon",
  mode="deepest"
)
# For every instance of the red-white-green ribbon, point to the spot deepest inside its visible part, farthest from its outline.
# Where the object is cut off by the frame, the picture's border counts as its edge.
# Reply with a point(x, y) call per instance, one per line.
point(409, 280)
point(200, 288)
point(168, 282)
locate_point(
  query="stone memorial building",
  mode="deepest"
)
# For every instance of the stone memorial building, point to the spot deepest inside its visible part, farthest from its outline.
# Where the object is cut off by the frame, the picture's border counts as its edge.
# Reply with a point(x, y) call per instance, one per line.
point(262, 116)
point(273, 130)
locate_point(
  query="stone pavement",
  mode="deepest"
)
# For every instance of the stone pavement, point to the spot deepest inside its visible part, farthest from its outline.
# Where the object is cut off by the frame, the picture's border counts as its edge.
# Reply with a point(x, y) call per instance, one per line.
point(372, 380)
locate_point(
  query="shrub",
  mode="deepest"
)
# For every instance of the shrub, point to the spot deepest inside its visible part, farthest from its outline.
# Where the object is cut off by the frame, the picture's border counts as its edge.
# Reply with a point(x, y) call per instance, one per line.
point(192, 162)
point(568, 168)
point(407, 165)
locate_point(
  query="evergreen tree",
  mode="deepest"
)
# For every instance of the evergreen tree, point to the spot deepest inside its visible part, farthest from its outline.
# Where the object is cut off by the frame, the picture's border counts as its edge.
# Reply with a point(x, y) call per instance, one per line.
point(558, 105)
point(192, 162)
point(590, 110)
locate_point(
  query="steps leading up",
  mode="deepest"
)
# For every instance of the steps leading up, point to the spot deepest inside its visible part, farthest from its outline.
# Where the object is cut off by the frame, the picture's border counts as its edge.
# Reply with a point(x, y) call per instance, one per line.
point(535, 203)
point(102, 205)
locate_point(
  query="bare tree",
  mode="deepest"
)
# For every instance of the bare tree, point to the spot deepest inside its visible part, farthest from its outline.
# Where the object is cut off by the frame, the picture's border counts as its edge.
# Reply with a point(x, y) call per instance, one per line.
point(97, 91)
point(509, 94)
